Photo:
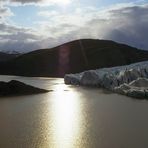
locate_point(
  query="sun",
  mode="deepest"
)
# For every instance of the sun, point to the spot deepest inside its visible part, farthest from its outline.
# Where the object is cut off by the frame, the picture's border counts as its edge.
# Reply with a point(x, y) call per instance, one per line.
point(57, 2)
point(63, 2)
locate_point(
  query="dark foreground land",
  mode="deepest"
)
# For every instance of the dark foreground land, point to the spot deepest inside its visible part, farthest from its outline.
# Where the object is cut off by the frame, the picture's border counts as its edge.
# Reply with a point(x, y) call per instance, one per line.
point(16, 88)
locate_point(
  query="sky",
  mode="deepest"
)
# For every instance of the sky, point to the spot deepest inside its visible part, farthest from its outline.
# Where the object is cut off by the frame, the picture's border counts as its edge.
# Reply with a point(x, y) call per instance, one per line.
point(27, 25)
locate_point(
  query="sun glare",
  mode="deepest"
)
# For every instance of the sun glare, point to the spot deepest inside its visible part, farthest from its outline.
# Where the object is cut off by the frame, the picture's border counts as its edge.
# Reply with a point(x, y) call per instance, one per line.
point(62, 2)
point(66, 116)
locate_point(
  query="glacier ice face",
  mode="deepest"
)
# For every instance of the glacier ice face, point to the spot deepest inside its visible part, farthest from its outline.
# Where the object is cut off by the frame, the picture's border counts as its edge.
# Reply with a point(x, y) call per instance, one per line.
point(73, 79)
point(137, 88)
point(140, 82)
point(131, 80)
point(90, 78)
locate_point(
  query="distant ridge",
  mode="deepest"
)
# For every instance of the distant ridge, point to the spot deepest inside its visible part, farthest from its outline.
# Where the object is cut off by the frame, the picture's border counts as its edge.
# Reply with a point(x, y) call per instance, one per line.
point(7, 56)
point(73, 57)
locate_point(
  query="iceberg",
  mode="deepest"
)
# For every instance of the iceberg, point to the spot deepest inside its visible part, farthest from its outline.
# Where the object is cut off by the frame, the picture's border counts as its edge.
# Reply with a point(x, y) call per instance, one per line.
point(130, 80)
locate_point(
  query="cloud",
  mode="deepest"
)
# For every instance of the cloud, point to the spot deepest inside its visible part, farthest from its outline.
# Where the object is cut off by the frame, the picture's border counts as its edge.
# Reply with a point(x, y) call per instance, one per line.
point(26, 1)
point(16, 38)
point(130, 26)
point(125, 23)
point(4, 12)
point(35, 2)
point(47, 13)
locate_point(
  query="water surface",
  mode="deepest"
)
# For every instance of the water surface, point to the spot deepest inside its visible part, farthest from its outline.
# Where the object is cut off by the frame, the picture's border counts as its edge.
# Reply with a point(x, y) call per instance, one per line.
point(71, 117)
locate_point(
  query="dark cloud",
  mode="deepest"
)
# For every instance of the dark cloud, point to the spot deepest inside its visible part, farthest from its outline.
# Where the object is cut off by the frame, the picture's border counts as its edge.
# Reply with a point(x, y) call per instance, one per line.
point(26, 1)
point(4, 12)
point(130, 26)
point(11, 2)
point(21, 1)
point(19, 39)
point(5, 27)
point(15, 38)
point(127, 25)
point(20, 46)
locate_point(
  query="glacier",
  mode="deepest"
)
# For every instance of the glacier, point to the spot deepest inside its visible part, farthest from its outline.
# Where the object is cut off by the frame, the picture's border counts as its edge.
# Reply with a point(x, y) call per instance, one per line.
point(130, 80)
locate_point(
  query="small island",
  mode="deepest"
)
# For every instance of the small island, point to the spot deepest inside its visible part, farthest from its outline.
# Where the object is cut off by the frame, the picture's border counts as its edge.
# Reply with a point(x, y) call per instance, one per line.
point(17, 88)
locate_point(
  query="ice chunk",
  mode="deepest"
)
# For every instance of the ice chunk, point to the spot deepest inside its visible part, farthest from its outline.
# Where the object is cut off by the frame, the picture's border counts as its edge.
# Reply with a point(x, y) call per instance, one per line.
point(136, 93)
point(90, 78)
point(131, 80)
point(73, 79)
point(140, 82)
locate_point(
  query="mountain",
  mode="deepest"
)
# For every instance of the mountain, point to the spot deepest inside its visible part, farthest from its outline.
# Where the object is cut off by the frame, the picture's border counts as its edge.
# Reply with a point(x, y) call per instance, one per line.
point(12, 52)
point(7, 56)
point(73, 57)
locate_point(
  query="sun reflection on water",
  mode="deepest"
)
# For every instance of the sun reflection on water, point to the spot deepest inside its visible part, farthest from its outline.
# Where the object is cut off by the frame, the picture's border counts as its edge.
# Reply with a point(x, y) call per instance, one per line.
point(66, 116)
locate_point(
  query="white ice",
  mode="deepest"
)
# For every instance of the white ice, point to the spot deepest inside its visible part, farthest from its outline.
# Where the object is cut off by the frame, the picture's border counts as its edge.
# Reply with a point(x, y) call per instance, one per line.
point(131, 80)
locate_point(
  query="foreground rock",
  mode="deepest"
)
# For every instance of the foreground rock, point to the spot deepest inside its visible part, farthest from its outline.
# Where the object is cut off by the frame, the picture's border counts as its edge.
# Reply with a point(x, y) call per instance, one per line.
point(14, 88)
point(130, 80)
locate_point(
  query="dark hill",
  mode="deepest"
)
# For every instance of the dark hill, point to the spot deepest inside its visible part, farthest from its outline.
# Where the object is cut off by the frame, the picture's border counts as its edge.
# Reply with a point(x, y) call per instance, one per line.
point(72, 57)
point(7, 56)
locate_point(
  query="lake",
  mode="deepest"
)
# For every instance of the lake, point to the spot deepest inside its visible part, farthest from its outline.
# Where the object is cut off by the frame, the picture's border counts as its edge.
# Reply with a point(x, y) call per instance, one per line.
point(71, 117)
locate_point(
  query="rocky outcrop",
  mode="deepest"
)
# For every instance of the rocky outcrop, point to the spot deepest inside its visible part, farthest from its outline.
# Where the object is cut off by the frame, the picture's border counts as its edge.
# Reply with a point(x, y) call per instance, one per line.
point(14, 88)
